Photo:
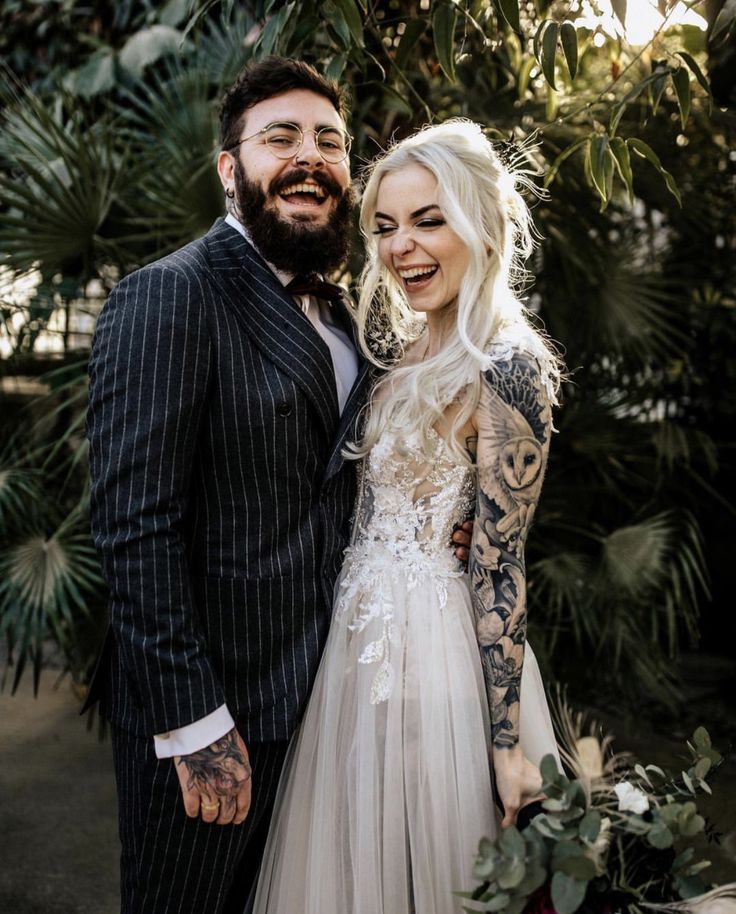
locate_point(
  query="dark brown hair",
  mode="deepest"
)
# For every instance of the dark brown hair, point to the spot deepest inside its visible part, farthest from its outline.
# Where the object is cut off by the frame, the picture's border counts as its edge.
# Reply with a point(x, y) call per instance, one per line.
point(265, 79)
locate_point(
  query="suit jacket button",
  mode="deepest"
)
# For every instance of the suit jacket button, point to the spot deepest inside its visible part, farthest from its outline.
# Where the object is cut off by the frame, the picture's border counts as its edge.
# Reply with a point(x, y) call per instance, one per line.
point(284, 409)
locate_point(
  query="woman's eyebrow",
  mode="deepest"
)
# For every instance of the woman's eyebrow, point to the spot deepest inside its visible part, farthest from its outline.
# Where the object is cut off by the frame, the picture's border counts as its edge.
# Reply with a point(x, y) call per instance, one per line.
point(417, 212)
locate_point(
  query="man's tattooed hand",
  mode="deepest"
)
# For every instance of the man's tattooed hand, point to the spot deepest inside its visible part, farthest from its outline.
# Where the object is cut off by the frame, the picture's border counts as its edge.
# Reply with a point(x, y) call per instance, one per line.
point(216, 780)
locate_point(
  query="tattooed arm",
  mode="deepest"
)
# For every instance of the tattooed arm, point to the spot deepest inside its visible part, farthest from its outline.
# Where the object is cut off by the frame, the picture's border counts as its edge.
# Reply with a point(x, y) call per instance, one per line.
point(513, 424)
point(216, 780)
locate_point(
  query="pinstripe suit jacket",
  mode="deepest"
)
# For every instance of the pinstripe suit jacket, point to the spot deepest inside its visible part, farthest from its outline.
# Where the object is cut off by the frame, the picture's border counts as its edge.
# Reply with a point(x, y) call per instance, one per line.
point(220, 502)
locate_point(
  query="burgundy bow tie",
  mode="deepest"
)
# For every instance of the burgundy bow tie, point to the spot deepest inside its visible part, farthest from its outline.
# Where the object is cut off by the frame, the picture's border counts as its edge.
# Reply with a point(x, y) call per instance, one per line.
point(312, 285)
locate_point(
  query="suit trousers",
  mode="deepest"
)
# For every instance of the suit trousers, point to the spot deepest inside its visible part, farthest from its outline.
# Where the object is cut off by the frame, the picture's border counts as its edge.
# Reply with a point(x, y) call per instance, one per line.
point(171, 863)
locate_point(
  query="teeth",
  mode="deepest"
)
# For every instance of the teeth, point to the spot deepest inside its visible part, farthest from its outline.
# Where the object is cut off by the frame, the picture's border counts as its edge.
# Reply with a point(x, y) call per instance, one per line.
point(412, 272)
point(304, 189)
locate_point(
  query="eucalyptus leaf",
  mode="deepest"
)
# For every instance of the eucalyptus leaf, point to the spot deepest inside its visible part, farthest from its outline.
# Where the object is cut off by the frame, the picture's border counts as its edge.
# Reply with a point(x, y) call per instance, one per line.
point(567, 893)
point(549, 770)
point(512, 842)
point(498, 903)
point(660, 836)
point(512, 874)
point(590, 826)
point(701, 738)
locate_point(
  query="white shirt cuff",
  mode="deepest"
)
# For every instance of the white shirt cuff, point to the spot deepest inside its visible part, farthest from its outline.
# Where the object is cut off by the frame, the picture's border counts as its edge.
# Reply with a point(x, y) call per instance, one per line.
point(195, 736)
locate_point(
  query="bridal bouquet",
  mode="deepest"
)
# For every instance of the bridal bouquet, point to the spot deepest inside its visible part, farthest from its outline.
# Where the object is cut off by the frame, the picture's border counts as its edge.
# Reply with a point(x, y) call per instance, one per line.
point(616, 837)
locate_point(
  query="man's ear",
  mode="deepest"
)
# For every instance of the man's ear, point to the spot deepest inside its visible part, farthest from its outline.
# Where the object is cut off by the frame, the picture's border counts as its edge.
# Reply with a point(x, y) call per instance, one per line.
point(226, 170)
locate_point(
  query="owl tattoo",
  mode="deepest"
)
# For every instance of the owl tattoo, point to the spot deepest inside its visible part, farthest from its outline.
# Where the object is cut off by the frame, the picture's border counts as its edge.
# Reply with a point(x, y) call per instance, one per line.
point(514, 475)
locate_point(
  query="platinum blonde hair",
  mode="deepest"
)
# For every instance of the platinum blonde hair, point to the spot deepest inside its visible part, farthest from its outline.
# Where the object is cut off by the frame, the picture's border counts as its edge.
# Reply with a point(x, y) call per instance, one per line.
point(481, 202)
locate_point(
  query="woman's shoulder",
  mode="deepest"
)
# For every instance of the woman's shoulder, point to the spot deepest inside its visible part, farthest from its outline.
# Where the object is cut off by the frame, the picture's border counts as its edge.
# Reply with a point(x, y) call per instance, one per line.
point(518, 349)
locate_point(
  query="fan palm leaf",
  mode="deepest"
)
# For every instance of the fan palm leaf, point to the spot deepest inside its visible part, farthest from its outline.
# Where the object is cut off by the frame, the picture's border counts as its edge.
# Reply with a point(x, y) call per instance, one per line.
point(45, 582)
point(171, 125)
point(59, 187)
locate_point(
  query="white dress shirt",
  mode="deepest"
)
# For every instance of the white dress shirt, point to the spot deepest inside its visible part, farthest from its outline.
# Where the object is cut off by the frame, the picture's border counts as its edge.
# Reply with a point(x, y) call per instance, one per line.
point(203, 732)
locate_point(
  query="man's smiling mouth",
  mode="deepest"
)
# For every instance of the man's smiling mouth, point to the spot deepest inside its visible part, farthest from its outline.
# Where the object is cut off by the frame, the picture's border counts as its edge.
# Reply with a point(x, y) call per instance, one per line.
point(303, 194)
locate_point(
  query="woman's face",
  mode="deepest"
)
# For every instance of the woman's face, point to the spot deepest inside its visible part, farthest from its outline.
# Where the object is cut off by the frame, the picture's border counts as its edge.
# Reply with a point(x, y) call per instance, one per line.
point(425, 257)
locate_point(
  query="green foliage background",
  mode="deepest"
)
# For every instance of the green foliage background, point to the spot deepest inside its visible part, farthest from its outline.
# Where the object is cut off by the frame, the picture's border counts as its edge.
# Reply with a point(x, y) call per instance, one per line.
point(107, 155)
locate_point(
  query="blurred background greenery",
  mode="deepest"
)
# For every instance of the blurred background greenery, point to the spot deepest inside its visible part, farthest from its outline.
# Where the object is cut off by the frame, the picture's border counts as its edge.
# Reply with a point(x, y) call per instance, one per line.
point(107, 152)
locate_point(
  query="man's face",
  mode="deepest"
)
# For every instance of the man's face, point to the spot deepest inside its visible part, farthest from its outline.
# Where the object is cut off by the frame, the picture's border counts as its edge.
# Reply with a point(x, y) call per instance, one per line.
point(296, 209)
point(311, 112)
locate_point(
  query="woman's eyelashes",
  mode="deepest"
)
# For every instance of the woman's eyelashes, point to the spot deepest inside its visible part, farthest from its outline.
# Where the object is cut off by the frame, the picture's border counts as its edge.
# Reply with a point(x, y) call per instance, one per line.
point(423, 223)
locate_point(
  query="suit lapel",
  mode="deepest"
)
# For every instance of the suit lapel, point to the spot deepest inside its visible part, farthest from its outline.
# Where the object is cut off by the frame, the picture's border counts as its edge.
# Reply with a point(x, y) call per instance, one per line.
point(272, 319)
point(348, 427)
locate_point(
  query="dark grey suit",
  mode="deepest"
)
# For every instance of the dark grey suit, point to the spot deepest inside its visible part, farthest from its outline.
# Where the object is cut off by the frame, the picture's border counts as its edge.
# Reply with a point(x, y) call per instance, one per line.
point(220, 508)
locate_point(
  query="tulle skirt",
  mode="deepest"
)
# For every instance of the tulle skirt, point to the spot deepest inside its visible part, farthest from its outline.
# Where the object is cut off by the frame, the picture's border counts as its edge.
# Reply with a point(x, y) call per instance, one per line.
point(381, 805)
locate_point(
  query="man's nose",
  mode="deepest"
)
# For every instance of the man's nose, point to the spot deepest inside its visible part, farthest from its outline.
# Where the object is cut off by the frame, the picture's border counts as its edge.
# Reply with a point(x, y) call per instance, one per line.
point(308, 153)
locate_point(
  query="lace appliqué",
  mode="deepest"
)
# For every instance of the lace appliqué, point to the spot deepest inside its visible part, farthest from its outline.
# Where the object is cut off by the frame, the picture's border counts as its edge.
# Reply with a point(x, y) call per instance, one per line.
point(404, 522)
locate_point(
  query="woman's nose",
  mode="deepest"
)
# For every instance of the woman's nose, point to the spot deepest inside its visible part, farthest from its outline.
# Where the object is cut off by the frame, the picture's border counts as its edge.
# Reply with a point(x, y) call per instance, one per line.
point(401, 242)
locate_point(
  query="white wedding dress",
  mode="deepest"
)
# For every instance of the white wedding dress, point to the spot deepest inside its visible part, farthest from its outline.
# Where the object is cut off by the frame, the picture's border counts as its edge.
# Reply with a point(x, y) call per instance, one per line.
point(387, 788)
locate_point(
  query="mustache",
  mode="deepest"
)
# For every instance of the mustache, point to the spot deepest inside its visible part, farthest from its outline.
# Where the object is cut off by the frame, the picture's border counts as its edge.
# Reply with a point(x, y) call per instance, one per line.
point(300, 176)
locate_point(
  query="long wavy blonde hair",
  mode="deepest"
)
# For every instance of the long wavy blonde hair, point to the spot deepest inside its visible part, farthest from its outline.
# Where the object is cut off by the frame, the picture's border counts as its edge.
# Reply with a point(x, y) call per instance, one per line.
point(481, 202)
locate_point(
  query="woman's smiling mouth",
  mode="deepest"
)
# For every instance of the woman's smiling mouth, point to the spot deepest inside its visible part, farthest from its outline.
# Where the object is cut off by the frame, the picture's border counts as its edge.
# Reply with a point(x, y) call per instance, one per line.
point(417, 278)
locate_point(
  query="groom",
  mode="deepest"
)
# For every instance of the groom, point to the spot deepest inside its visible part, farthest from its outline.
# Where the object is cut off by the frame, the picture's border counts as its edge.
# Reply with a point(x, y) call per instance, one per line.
point(223, 386)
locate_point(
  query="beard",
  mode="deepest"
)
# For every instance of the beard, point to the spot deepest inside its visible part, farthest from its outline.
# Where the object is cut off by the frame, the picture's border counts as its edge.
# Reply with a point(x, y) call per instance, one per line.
point(298, 247)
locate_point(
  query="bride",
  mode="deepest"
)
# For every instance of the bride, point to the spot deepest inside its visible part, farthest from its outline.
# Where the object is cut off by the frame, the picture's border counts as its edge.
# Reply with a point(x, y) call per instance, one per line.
point(428, 706)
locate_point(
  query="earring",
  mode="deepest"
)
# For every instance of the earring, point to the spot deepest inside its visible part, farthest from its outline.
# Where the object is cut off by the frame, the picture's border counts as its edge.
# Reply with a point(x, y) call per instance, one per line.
point(230, 193)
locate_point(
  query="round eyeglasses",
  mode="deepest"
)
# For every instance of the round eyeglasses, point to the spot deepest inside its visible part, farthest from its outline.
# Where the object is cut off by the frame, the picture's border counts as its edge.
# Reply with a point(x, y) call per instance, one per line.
point(285, 140)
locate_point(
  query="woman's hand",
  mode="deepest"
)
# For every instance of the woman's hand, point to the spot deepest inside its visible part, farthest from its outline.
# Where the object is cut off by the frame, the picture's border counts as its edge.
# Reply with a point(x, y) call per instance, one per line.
point(518, 782)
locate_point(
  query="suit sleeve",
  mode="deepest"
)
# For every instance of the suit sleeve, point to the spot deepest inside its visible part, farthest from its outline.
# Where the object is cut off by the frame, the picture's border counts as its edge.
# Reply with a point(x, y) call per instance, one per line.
point(149, 377)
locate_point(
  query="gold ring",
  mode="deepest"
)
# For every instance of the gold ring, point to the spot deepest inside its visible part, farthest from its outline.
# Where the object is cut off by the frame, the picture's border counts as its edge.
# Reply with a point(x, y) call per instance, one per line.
point(208, 807)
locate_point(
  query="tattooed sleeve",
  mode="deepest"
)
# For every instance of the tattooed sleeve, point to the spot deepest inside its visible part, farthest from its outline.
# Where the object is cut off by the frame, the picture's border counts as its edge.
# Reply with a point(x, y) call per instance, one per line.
point(514, 425)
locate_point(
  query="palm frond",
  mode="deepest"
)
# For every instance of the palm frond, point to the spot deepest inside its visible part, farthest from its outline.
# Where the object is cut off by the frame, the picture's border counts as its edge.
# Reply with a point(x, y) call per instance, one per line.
point(45, 582)
point(19, 487)
point(171, 124)
point(58, 190)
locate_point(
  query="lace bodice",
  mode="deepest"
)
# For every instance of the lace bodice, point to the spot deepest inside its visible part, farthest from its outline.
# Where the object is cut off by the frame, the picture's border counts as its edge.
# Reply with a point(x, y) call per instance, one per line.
point(409, 502)
point(408, 506)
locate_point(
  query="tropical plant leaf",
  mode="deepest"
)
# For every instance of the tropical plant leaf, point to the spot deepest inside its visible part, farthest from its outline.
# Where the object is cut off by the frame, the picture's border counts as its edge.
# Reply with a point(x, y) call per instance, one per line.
point(681, 82)
point(414, 30)
point(569, 38)
point(149, 45)
point(646, 152)
point(510, 12)
point(550, 37)
point(351, 14)
point(622, 159)
point(619, 10)
point(59, 195)
point(443, 27)
point(698, 74)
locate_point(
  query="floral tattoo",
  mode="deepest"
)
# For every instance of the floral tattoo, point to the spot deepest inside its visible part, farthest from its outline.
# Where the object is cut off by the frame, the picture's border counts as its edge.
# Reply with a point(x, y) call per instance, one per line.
point(220, 769)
